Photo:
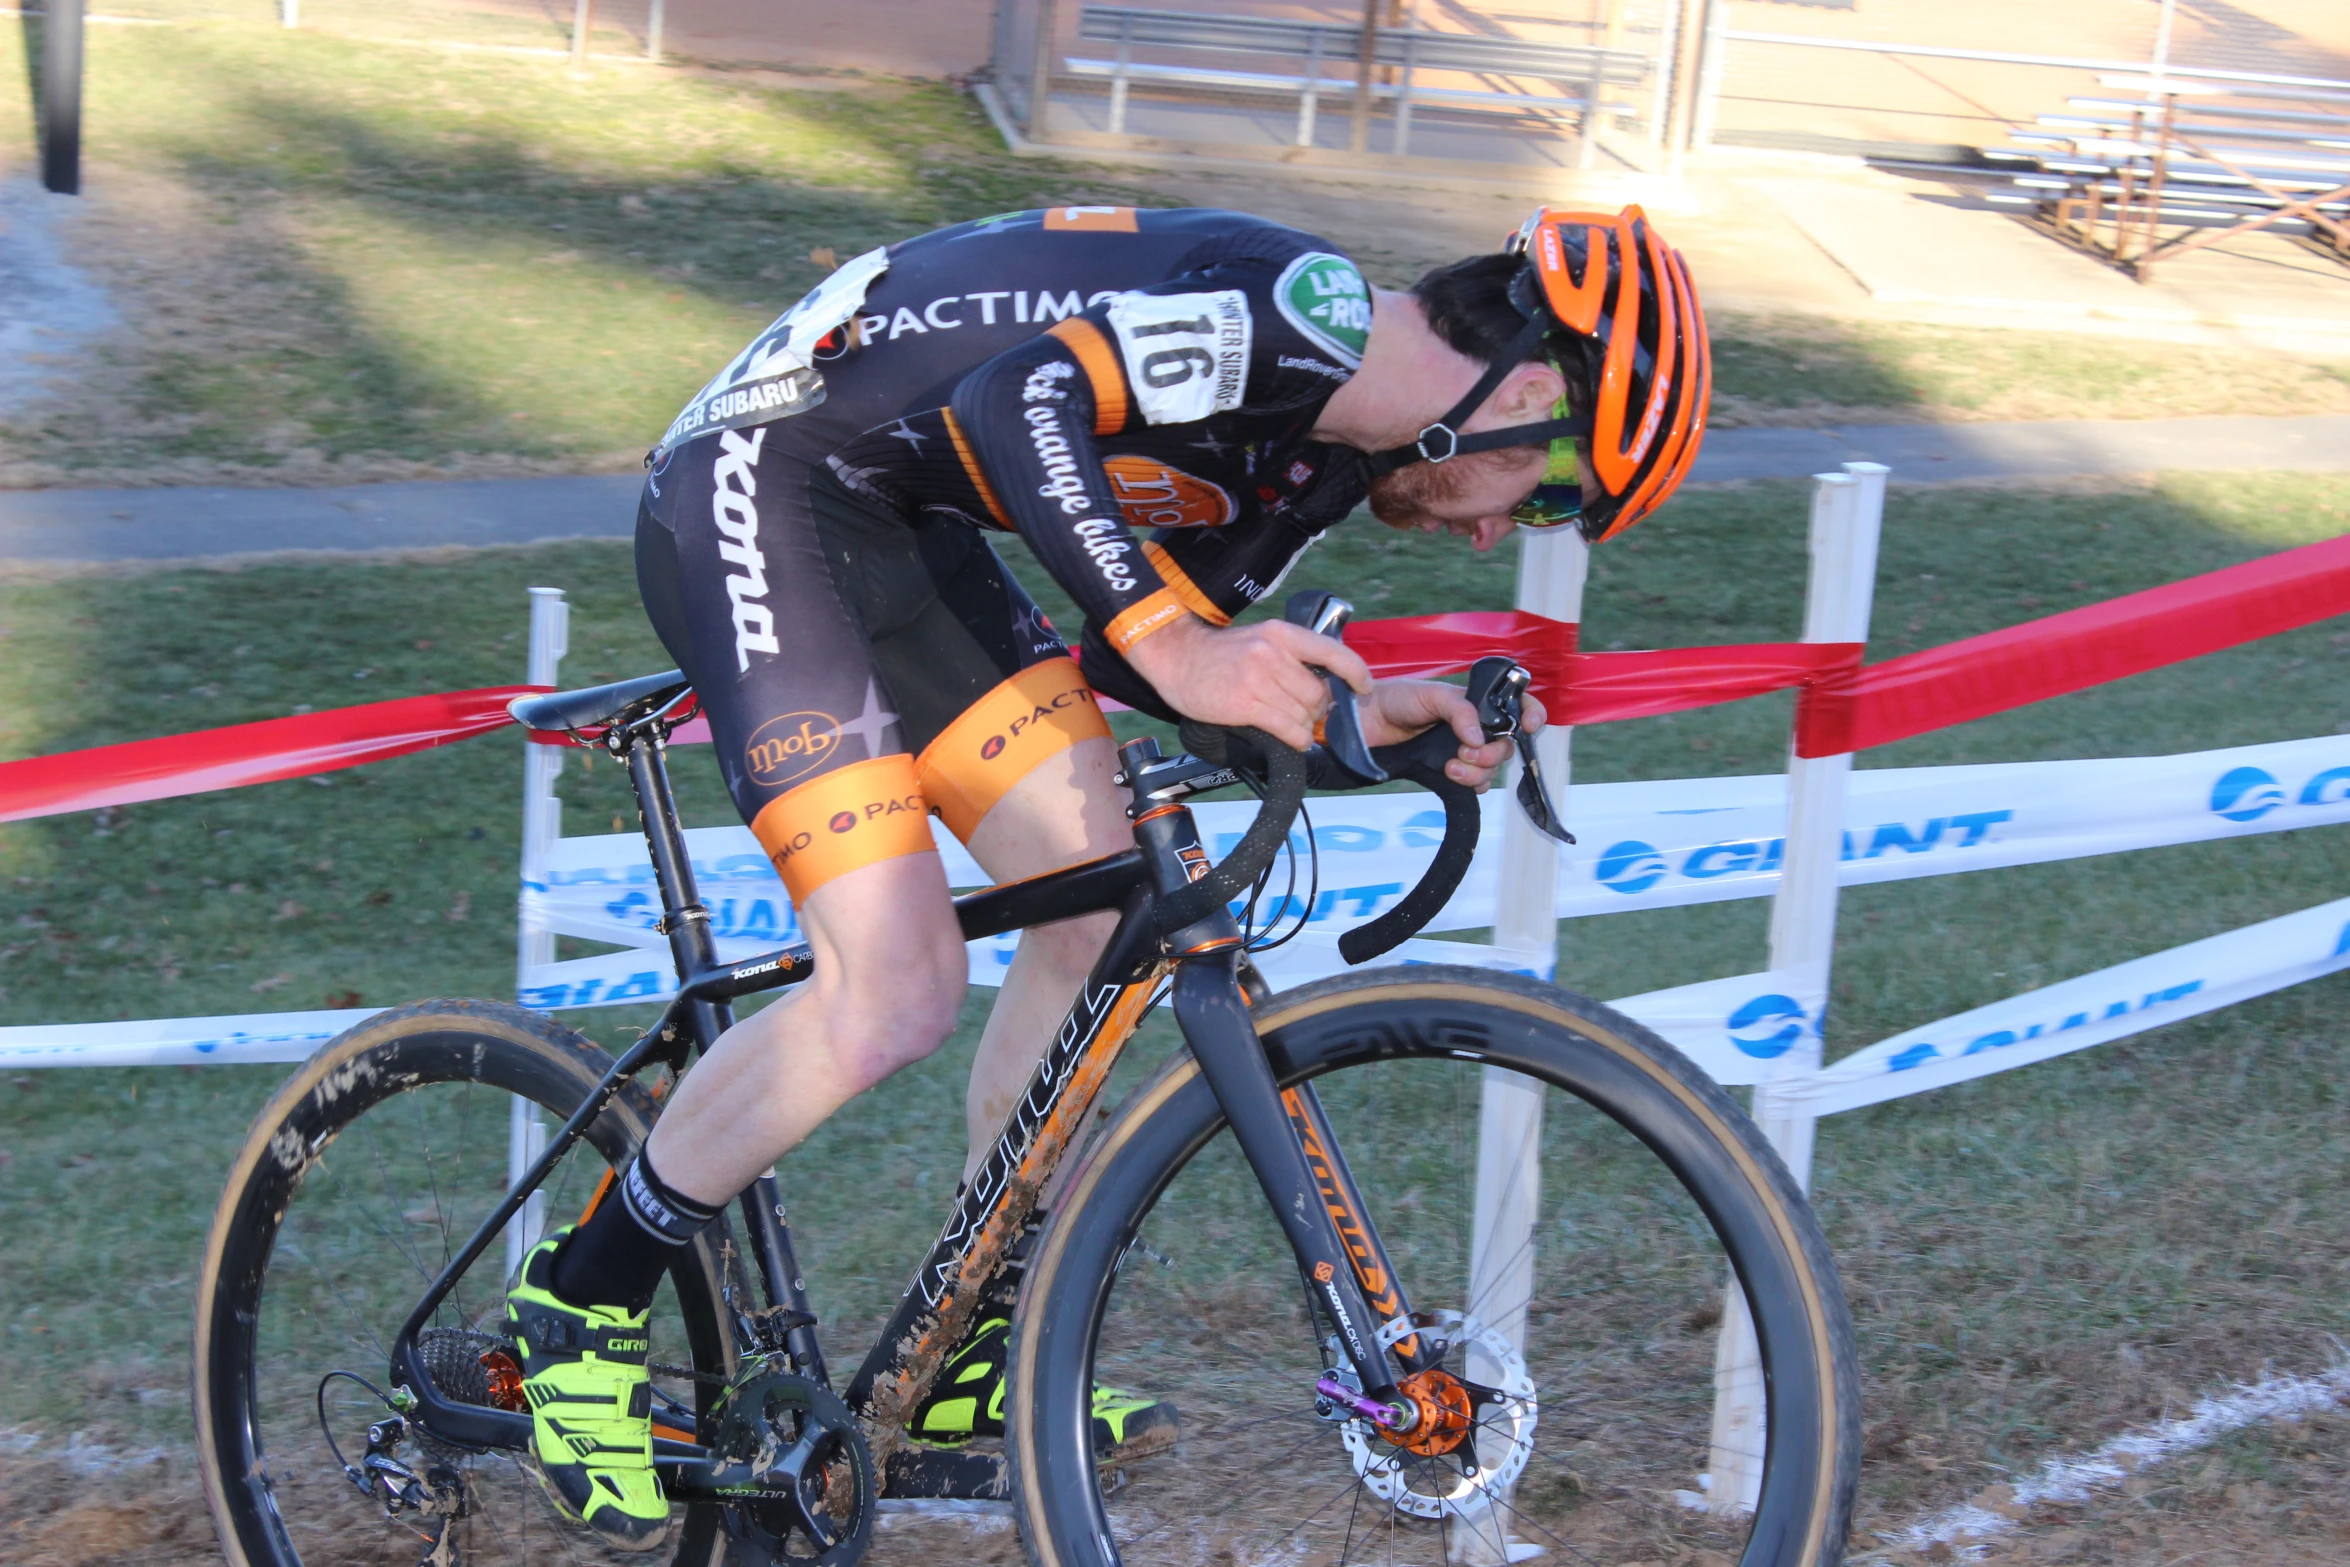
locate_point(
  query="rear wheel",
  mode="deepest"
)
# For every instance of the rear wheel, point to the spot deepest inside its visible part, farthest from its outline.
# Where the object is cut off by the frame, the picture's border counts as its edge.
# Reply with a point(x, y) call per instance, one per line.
point(359, 1180)
point(1579, 1428)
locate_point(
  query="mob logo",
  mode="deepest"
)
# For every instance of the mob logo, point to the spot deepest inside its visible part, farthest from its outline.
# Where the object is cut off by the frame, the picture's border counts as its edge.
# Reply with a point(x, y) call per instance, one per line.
point(782, 749)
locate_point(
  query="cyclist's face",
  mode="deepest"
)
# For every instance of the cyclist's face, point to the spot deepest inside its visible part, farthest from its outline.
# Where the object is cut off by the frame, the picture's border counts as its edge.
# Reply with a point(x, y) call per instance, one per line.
point(1471, 496)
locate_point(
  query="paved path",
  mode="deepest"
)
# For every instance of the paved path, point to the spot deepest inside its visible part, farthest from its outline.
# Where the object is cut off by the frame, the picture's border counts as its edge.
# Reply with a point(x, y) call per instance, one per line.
point(66, 526)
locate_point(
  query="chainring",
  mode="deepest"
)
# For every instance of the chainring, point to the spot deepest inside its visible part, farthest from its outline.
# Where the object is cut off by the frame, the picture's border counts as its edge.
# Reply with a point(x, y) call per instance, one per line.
point(809, 1475)
point(1504, 1410)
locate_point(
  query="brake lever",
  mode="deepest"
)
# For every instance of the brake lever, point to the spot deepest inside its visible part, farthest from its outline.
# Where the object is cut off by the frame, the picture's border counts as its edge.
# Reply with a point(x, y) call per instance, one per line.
point(1497, 689)
point(1325, 614)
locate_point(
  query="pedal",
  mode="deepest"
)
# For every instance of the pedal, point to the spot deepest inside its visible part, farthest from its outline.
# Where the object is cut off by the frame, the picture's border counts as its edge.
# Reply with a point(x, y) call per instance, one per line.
point(937, 1474)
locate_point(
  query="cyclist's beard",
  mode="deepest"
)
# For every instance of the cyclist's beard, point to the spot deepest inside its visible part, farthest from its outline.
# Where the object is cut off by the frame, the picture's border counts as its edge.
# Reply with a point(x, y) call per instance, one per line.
point(1411, 496)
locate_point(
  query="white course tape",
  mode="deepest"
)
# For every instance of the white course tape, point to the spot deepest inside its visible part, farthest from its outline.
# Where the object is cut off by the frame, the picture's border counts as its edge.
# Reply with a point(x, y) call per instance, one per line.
point(1698, 840)
point(180, 1041)
point(1643, 845)
point(1738, 1030)
point(2110, 1004)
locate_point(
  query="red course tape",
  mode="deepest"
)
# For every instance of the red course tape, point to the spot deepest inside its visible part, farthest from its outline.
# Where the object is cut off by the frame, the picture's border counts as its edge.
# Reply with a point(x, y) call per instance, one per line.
point(1844, 707)
point(241, 754)
point(2090, 646)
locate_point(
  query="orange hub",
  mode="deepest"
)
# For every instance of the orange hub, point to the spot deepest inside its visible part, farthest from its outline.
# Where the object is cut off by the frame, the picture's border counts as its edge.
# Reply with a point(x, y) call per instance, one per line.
point(505, 1381)
point(1446, 1413)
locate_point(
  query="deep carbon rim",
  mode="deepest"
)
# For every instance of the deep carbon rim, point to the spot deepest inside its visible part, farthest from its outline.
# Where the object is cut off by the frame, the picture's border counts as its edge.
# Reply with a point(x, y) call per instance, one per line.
point(1427, 1015)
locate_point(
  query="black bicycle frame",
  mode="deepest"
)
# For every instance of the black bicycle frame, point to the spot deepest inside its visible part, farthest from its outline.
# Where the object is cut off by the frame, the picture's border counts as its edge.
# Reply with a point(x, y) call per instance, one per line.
point(1284, 1136)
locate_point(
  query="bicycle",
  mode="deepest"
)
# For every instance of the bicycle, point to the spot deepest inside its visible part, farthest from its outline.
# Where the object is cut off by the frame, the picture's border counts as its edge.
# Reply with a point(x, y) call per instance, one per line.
point(1341, 1397)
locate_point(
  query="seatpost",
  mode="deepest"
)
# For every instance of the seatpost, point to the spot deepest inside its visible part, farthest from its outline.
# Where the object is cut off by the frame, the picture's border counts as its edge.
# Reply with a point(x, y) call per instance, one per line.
point(687, 925)
point(683, 919)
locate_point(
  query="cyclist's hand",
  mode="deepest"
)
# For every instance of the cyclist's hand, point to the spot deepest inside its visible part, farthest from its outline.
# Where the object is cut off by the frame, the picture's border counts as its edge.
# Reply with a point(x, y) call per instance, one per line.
point(1264, 676)
point(1400, 709)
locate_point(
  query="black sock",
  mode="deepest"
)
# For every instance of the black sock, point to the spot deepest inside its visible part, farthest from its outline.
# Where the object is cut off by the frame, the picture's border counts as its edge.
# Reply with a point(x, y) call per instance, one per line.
point(618, 1256)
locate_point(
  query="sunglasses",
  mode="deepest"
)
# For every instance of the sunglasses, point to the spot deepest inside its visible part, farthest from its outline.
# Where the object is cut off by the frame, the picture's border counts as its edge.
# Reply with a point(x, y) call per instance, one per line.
point(1558, 497)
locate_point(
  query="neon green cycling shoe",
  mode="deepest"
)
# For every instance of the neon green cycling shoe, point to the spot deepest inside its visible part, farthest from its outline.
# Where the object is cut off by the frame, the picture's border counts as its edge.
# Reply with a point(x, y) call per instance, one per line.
point(968, 1401)
point(591, 1406)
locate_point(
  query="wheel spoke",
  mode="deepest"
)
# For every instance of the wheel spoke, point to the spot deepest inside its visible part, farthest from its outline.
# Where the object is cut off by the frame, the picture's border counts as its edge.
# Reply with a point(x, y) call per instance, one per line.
point(1621, 1257)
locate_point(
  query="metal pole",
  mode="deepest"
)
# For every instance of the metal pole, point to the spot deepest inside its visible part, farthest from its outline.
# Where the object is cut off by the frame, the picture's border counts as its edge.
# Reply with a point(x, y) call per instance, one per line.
point(1709, 78)
point(1552, 568)
point(1847, 515)
point(1660, 97)
point(1686, 58)
point(1040, 79)
point(2162, 43)
point(542, 824)
point(1358, 139)
point(289, 13)
point(583, 16)
point(653, 19)
point(61, 97)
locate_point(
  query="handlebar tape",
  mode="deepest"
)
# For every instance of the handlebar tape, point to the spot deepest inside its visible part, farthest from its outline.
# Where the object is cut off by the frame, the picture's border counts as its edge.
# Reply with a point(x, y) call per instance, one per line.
point(1421, 759)
point(1285, 791)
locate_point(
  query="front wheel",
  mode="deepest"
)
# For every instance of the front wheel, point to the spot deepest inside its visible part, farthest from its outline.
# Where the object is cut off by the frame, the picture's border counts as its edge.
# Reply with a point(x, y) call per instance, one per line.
point(1585, 1326)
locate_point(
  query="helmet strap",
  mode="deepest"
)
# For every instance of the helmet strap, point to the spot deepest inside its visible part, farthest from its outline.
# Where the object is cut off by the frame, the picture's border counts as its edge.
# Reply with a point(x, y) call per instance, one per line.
point(1442, 441)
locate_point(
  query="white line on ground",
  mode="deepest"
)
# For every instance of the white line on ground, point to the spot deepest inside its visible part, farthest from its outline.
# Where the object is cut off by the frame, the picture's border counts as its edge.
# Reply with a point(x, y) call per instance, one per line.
point(1965, 1527)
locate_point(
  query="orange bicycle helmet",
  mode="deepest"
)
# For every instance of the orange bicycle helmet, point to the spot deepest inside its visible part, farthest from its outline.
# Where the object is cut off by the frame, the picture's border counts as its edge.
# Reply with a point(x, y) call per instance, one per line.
point(1612, 306)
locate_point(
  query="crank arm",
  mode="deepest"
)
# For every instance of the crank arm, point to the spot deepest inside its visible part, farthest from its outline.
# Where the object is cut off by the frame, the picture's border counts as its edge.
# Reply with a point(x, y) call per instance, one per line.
point(1224, 1041)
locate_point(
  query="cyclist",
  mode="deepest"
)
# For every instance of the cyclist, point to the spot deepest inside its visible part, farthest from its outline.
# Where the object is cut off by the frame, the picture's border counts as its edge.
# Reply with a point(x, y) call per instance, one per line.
point(1168, 407)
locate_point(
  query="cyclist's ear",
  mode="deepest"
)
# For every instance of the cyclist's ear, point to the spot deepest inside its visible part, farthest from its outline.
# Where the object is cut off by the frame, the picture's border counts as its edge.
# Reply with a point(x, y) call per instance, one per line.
point(1526, 395)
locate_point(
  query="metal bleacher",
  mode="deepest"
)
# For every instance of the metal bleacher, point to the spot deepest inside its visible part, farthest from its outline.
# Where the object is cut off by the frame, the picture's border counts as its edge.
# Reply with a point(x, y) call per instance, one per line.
point(2207, 160)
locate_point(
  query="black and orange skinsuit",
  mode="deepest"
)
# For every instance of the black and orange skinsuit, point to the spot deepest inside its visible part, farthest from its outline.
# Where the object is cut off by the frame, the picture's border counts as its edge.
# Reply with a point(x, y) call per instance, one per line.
point(1130, 391)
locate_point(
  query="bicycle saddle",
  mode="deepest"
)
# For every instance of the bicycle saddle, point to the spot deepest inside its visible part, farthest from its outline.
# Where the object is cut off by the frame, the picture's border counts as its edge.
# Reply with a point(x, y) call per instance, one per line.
point(593, 707)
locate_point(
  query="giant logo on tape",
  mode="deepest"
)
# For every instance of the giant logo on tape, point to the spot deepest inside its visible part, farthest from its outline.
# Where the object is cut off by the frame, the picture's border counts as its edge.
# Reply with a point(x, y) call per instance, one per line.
point(1767, 1026)
point(2246, 794)
point(1630, 866)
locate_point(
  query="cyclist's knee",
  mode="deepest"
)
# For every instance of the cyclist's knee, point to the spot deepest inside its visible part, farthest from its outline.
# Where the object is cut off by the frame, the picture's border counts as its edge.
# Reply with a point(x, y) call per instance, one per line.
point(897, 1005)
point(890, 966)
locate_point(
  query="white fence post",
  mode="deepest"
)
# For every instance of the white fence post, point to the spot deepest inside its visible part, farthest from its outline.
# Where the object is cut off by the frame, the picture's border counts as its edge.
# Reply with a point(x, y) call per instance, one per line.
point(542, 824)
point(654, 17)
point(1551, 570)
point(1847, 515)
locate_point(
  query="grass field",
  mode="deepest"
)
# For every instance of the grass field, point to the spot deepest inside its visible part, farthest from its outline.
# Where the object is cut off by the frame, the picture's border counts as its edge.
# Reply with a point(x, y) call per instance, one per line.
point(2036, 1260)
point(342, 258)
point(339, 253)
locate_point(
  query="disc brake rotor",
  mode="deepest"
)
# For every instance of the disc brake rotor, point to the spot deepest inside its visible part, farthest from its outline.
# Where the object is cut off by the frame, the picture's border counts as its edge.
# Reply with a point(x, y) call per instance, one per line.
point(1500, 1436)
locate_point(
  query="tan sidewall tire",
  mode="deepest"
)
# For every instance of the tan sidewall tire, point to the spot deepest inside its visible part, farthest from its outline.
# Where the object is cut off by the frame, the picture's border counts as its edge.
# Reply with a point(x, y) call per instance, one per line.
point(490, 1042)
point(1570, 1042)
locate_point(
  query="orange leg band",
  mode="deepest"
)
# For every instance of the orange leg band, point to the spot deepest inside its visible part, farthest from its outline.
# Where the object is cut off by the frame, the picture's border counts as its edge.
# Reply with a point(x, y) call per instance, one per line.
point(851, 817)
point(999, 739)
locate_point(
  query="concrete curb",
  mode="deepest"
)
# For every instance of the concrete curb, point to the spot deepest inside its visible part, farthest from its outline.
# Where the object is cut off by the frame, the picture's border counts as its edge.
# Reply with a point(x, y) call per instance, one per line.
point(79, 527)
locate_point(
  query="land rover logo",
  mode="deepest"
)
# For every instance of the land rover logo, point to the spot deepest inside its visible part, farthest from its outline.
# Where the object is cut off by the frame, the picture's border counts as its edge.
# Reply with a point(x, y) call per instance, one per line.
point(1325, 298)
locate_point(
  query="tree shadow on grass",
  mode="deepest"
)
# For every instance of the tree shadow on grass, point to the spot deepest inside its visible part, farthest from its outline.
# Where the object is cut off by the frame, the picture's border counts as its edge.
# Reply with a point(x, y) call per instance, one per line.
point(496, 257)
